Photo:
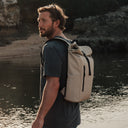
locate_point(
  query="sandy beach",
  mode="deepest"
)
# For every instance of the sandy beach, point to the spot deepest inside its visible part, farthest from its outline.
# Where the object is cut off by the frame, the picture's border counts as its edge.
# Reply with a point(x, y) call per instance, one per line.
point(29, 47)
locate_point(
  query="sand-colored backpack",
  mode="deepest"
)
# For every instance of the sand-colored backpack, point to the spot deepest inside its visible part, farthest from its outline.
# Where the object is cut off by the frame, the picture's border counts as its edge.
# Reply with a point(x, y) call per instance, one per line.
point(80, 72)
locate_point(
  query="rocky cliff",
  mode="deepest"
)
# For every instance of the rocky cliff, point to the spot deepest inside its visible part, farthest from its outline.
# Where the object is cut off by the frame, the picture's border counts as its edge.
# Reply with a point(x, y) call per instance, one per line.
point(9, 13)
point(108, 32)
point(9, 18)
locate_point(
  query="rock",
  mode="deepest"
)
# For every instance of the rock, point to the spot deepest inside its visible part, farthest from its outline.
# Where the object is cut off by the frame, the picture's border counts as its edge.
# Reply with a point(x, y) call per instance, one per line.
point(9, 2)
point(105, 44)
point(9, 13)
point(108, 32)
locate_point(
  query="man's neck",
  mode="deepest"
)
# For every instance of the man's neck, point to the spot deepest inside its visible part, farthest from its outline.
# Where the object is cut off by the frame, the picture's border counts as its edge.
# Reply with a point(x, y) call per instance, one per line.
point(57, 33)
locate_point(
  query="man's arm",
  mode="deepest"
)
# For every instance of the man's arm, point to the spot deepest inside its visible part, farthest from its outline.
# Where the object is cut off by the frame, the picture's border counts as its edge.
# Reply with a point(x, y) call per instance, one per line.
point(49, 96)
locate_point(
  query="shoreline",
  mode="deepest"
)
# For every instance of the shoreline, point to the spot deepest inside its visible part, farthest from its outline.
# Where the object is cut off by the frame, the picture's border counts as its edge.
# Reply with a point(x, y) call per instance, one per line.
point(25, 47)
point(31, 44)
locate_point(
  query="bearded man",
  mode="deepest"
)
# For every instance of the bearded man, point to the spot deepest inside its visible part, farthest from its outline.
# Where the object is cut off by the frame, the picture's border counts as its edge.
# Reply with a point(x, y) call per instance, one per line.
point(54, 111)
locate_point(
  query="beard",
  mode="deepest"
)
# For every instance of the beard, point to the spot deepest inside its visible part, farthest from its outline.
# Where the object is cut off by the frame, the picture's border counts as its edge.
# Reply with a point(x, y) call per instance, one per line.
point(47, 33)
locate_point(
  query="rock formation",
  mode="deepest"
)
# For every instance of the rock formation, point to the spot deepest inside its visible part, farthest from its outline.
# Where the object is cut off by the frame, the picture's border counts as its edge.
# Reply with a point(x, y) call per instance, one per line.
point(108, 32)
point(9, 13)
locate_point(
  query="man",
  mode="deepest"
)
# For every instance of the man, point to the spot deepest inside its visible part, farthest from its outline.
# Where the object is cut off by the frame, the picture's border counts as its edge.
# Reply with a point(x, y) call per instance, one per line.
point(54, 111)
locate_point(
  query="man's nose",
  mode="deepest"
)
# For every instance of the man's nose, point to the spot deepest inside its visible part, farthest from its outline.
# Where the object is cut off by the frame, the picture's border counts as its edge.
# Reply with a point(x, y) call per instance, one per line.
point(40, 24)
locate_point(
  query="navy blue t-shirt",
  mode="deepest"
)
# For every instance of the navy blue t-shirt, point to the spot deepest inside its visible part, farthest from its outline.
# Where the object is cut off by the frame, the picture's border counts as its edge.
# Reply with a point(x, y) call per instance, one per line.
point(63, 114)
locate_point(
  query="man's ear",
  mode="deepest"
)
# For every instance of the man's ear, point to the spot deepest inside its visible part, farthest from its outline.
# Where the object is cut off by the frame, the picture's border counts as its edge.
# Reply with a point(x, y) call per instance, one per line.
point(57, 23)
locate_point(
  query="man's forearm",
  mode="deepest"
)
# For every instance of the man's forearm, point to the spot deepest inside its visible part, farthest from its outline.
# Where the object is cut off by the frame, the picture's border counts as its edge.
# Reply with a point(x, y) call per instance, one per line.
point(48, 99)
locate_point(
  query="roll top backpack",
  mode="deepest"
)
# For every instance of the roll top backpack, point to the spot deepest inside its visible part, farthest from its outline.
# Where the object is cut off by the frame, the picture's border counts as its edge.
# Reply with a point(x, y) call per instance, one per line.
point(80, 72)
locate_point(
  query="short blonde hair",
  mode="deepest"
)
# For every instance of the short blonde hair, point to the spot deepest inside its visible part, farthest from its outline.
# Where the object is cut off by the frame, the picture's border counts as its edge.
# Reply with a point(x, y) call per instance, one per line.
point(56, 13)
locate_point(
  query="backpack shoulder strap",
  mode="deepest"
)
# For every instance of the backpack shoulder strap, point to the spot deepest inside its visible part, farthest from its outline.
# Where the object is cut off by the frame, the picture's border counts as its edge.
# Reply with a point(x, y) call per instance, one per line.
point(62, 39)
point(86, 49)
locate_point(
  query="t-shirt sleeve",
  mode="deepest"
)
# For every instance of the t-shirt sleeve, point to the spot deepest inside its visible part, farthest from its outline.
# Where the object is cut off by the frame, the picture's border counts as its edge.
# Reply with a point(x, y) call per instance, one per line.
point(52, 62)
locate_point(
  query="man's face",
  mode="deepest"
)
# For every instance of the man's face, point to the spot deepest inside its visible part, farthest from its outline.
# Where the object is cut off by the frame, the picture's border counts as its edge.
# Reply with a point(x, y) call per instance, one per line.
point(45, 24)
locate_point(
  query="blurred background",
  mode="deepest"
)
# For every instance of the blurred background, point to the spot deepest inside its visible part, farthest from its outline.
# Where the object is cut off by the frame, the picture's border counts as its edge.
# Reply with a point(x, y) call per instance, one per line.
point(98, 21)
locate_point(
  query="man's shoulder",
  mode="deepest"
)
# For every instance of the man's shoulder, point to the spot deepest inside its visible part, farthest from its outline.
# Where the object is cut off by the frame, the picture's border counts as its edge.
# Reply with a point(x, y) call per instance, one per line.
point(56, 44)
